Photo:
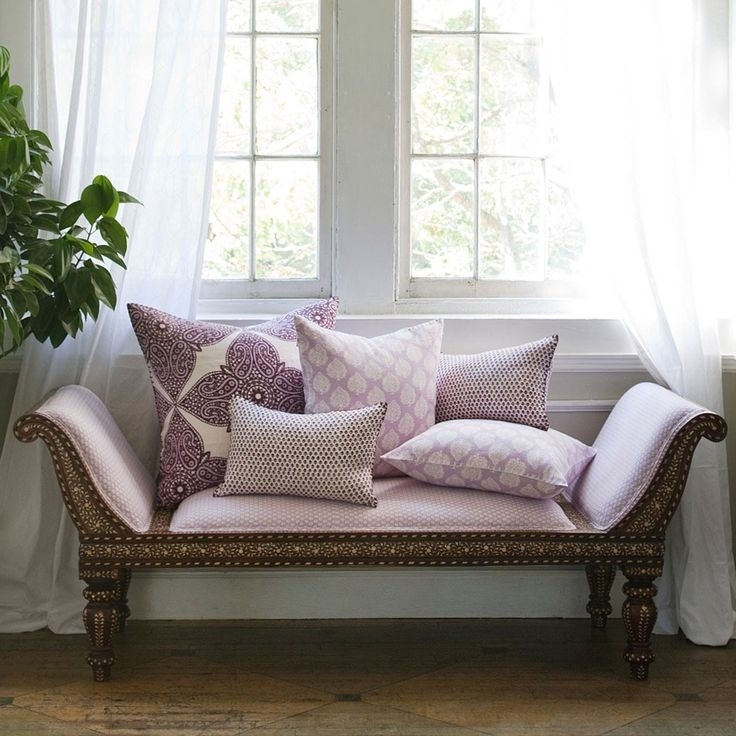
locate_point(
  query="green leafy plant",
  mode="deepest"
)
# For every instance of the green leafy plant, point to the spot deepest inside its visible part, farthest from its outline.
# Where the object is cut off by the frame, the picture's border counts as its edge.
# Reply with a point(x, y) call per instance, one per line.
point(54, 256)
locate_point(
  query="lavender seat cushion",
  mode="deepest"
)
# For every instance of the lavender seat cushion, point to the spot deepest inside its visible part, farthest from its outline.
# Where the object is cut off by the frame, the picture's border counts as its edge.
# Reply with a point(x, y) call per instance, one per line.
point(404, 505)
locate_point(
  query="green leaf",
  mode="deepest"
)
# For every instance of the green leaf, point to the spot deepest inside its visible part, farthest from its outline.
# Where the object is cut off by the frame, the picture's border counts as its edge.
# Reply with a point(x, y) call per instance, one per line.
point(112, 254)
point(114, 234)
point(9, 255)
point(62, 258)
point(36, 283)
point(126, 198)
point(6, 203)
point(41, 325)
point(4, 61)
point(13, 322)
point(46, 223)
point(41, 138)
point(70, 214)
point(57, 334)
point(93, 203)
point(77, 286)
point(87, 247)
point(31, 303)
point(93, 306)
point(39, 271)
point(110, 196)
point(104, 286)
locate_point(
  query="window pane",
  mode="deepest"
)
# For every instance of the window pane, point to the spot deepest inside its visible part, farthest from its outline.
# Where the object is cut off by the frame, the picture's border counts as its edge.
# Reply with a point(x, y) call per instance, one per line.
point(443, 15)
point(286, 223)
point(442, 232)
point(512, 106)
point(511, 214)
point(233, 125)
point(226, 252)
point(238, 16)
point(565, 234)
point(442, 95)
point(287, 96)
point(294, 16)
point(516, 16)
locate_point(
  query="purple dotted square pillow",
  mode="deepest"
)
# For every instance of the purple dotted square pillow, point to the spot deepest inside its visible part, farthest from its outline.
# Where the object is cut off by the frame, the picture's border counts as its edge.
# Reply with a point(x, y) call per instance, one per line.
point(197, 367)
point(343, 371)
point(508, 384)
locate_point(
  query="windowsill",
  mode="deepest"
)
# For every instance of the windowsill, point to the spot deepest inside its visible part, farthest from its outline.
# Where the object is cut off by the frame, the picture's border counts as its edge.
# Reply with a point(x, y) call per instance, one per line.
point(466, 327)
point(504, 308)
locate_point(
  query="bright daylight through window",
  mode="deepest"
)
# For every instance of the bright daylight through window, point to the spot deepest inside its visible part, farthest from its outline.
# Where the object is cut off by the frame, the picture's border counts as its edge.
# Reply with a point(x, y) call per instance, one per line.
point(265, 203)
point(483, 206)
point(490, 211)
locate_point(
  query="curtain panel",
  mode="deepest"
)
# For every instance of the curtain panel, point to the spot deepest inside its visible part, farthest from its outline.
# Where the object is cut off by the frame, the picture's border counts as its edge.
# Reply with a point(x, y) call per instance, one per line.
point(642, 94)
point(129, 90)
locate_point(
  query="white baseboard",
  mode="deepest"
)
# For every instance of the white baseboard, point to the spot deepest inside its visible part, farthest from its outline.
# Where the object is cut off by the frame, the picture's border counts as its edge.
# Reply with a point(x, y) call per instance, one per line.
point(553, 592)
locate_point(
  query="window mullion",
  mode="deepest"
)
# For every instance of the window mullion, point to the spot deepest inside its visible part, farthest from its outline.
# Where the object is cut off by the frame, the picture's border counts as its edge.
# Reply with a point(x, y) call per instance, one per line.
point(252, 209)
point(476, 145)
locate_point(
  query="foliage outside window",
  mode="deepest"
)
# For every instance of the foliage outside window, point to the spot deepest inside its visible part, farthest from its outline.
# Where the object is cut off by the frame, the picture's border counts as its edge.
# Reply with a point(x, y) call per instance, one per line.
point(490, 211)
point(265, 205)
point(483, 206)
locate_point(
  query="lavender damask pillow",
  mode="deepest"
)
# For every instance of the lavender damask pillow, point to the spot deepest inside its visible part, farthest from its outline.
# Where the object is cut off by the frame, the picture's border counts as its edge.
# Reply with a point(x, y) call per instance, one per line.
point(326, 456)
point(508, 384)
point(344, 371)
point(489, 455)
point(197, 367)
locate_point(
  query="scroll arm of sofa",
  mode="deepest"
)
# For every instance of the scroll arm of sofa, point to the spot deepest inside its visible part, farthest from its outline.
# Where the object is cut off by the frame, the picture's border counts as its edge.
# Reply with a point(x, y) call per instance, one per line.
point(643, 456)
point(106, 488)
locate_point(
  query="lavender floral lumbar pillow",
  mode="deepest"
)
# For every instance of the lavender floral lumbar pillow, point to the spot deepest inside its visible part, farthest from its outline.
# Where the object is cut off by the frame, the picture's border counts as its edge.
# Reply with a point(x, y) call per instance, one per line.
point(508, 384)
point(343, 371)
point(327, 456)
point(197, 367)
point(489, 455)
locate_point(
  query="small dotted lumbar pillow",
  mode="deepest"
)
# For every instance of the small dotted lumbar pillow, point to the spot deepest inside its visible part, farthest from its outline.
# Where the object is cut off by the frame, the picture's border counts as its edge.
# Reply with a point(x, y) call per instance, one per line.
point(327, 455)
point(508, 384)
point(494, 456)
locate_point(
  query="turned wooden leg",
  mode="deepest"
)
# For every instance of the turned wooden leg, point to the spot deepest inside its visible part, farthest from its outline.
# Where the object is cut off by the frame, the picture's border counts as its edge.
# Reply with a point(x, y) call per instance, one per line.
point(600, 579)
point(639, 614)
point(101, 619)
point(122, 584)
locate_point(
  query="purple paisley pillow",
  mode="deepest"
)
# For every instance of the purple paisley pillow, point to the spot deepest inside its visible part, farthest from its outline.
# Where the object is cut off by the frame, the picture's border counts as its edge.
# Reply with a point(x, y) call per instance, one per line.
point(197, 367)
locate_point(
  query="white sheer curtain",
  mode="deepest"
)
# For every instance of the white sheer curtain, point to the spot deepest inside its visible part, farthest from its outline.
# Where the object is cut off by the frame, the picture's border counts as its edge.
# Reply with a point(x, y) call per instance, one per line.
point(126, 88)
point(642, 93)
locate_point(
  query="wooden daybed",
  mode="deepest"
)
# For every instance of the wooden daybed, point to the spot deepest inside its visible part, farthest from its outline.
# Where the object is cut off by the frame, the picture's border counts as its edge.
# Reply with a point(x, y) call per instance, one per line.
point(615, 517)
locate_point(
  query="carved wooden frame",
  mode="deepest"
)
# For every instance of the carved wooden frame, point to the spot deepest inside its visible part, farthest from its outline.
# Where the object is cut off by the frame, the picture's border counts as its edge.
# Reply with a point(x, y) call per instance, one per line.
point(110, 551)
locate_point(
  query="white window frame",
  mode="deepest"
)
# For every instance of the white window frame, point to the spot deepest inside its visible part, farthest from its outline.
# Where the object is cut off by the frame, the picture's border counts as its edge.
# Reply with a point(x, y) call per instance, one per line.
point(550, 293)
point(227, 294)
point(364, 200)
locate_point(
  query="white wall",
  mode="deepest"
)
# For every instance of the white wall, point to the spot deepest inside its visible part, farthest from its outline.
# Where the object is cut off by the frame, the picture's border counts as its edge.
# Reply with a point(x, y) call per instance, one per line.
point(17, 37)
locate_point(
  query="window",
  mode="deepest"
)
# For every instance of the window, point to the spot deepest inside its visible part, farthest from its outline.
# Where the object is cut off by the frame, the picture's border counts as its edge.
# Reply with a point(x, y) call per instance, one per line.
point(268, 233)
point(489, 212)
point(423, 172)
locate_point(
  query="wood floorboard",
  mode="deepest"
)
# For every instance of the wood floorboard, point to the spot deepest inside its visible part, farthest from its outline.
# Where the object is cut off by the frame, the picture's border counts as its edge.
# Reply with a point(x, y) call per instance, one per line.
point(353, 678)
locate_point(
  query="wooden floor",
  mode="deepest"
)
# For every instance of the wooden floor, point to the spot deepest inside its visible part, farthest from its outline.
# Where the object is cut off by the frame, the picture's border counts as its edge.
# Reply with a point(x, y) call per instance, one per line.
point(408, 678)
